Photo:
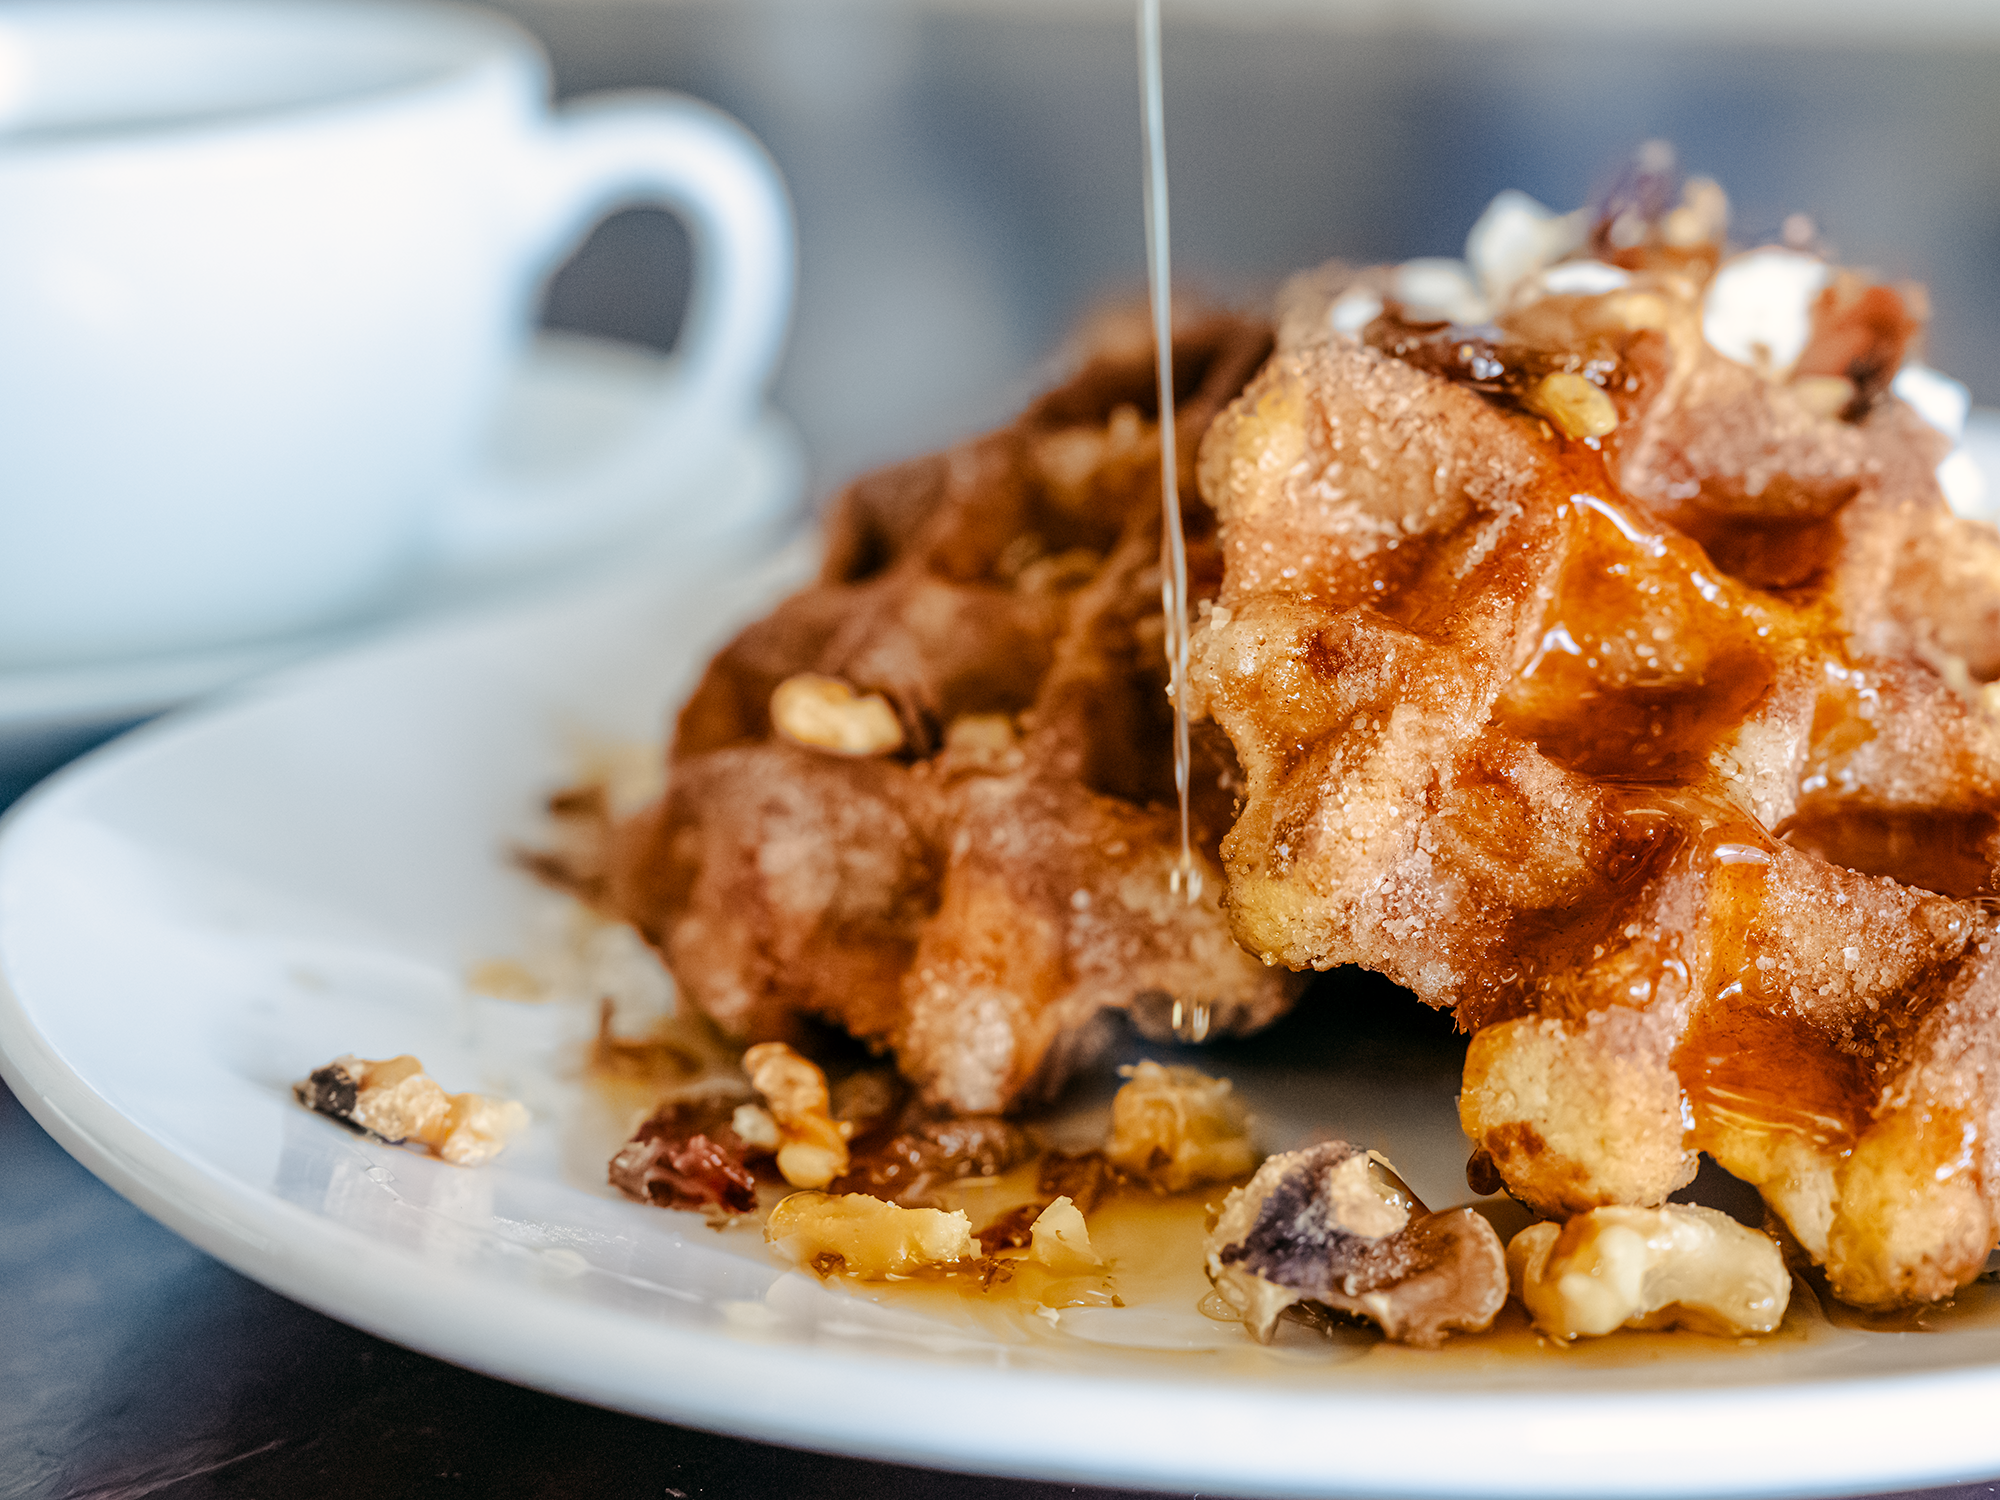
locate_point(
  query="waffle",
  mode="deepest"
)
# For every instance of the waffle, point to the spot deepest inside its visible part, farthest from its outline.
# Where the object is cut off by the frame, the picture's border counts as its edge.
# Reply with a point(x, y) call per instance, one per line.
point(1629, 701)
point(955, 840)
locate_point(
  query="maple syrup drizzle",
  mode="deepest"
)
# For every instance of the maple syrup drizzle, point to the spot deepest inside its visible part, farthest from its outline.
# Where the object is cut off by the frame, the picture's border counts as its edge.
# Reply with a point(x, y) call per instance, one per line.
point(1191, 1020)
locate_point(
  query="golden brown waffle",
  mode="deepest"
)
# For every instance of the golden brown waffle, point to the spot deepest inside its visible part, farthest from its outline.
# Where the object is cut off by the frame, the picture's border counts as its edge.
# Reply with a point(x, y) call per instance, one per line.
point(978, 894)
point(1661, 756)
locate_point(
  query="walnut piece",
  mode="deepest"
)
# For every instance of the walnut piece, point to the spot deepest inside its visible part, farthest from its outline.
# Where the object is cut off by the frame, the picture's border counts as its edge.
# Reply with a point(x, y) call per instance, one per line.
point(827, 714)
point(396, 1101)
point(1576, 406)
point(1680, 1265)
point(1061, 1241)
point(865, 1237)
point(1176, 1127)
point(908, 1160)
point(754, 1124)
point(812, 1145)
point(689, 1154)
point(1333, 1224)
point(984, 744)
point(1084, 1178)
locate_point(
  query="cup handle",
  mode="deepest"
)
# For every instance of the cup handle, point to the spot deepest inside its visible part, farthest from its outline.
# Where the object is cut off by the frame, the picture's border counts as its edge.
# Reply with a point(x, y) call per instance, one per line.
point(598, 156)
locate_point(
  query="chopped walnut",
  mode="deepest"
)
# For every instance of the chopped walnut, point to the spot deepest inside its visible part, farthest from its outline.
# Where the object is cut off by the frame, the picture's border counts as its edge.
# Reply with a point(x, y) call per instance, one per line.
point(1333, 1224)
point(1012, 1230)
point(1060, 1240)
point(754, 1124)
point(1084, 1178)
point(981, 743)
point(906, 1161)
point(828, 714)
point(1176, 1127)
point(396, 1101)
point(690, 1155)
point(812, 1148)
point(1081, 1180)
point(1578, 408)
point(865, 1237)
point(1680, 1265)
point(1859, 332)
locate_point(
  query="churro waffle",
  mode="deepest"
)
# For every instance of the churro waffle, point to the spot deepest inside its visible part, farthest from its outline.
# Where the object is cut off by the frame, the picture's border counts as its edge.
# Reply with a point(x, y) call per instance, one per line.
point(1629, 699)
point(930, 798)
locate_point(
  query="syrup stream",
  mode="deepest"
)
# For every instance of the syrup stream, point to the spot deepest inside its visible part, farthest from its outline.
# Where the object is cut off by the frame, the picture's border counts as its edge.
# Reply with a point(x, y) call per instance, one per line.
point(1173, 545)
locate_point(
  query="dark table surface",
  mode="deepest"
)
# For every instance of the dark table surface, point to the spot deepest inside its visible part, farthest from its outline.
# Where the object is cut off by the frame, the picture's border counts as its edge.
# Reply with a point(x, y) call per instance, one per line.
point(967, 183)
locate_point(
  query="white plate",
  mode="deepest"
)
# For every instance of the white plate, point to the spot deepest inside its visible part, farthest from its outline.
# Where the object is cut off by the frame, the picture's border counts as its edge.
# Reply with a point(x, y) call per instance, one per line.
point(199, 914)
point(573, 395)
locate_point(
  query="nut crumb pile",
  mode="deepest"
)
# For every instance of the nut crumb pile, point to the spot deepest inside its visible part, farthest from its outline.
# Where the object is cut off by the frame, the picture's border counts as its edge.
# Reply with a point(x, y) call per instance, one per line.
point(397, 1101)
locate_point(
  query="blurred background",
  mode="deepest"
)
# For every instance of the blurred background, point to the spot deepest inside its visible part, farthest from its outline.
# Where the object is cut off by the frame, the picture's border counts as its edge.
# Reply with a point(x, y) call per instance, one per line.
point(967, 172)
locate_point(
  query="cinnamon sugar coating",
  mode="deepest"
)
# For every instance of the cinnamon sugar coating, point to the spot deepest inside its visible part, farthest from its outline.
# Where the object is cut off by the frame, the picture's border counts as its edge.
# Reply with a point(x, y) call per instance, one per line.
point(975, 898)
point(1663, 758)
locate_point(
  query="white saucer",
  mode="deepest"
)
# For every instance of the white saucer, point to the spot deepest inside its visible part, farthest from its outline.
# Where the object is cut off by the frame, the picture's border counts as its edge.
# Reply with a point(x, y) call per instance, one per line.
point(574, 393)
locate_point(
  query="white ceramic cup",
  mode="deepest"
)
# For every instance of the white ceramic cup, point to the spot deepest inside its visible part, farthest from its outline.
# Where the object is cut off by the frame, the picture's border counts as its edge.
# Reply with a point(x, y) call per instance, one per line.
point(265, 266)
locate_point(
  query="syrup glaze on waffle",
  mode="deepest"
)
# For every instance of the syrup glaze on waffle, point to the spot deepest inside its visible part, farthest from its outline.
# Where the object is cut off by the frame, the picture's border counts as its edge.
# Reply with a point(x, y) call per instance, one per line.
point(1629, 701)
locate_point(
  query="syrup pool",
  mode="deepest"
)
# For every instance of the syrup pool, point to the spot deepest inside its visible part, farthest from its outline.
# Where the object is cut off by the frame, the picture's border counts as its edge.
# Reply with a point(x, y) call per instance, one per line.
point(1358, 1061)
